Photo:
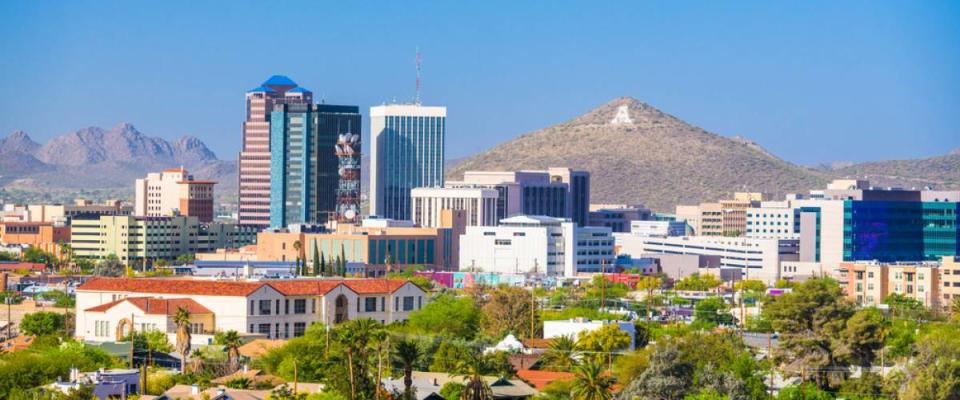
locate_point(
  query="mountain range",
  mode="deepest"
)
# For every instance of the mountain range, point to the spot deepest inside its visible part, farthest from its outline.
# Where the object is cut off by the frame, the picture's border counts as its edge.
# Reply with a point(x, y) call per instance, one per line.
point(108, 159)
point(637, 154)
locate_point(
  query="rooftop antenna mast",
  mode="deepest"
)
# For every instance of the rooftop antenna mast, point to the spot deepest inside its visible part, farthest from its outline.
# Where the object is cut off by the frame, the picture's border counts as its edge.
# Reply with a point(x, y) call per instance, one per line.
point(417, 100)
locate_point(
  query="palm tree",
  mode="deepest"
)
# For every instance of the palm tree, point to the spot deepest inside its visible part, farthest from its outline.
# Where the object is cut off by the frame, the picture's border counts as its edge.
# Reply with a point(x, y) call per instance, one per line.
point(475, 387)
point(298, 246)
point(955, 308)
point(231, 342)
point(199, 361)
point(357, 337)
point(562, 354)
point(182, 320)
point(407, 353)
point(590, 383)
point(649, 284)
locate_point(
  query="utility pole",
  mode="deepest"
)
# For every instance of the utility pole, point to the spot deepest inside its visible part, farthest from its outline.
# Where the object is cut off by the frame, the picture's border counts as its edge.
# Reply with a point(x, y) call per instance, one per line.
point(603, 285)
point(770, 358)
point(9, 300)
point(533, 311)
point(803, 383)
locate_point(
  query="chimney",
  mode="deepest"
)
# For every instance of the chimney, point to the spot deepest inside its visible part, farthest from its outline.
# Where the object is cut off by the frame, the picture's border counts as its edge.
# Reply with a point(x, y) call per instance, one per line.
point(194, 389)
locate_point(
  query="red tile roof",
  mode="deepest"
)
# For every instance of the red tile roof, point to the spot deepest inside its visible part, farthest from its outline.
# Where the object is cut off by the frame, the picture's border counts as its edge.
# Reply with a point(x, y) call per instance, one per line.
point(155, 306)
point(369, 286)
point(171, 286)
point(304, 287)
point(294, 287)
point(539, 379)
point(13, 266)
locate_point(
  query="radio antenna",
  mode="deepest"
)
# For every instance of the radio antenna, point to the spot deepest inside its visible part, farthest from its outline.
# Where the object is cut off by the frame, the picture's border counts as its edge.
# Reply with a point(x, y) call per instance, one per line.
point(417, 100)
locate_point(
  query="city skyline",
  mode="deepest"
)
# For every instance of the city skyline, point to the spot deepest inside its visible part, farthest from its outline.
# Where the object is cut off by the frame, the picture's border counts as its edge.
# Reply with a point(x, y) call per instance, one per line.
point(757, 71)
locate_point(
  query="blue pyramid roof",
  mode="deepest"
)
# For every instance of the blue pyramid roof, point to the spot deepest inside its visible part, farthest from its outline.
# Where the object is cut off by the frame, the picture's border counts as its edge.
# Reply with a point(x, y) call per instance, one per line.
point(261, 89)
point(279, 80)
point(298, 90)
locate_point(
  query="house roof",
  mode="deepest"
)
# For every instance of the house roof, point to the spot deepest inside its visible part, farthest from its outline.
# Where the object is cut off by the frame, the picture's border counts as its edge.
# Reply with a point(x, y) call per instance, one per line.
point(291, 287)
point(171, 286)
point(539, 379)
point(155, 306)
point(369, 286)
point(258, 347)
point(279, 80)
point(16, 344)
point(304, 287)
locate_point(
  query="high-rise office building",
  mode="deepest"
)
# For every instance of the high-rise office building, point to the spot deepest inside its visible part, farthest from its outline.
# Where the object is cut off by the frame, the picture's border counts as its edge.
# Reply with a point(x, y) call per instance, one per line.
point(407, 152)
point(254, 188)
point(305, 180)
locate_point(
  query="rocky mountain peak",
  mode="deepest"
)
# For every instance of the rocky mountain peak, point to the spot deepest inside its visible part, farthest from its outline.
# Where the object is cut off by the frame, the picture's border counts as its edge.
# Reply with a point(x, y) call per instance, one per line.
point(19, 142)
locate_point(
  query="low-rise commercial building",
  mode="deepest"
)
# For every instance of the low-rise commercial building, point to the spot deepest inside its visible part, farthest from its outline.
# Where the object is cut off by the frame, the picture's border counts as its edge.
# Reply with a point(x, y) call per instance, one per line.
point(378, 248)
point(950, 277)
point(479, 205)
point(536, 244)
point(726, 217)
point(555, 192)
point(43, 235)
point(107, 308)
point(658, 228)
point(618, 218)
point(135, 239)
point(740, 258)
point(63, 213)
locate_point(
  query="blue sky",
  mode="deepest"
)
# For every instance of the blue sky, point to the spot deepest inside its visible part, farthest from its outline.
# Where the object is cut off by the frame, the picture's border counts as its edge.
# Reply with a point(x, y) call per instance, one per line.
point(811, 81)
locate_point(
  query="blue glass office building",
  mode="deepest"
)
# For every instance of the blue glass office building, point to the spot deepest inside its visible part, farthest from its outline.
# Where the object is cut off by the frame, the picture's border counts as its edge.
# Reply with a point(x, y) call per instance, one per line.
point(303, 161)
point(407, 152)
point(900, 230)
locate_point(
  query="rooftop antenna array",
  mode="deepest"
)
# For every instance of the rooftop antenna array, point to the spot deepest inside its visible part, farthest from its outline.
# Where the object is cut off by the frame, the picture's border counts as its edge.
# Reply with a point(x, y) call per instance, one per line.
point(417, 99)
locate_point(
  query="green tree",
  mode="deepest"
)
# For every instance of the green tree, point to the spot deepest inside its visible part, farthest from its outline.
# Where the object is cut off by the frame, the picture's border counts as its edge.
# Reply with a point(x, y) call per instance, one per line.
point(448, 356)
point(298, 247)
point(508, 310)
point(316, 260)
point(451, 391)
point(603, 342)
point(629, 367)
point(406, 354)
point(698, 282)
point(184, 259)
point(711, 312)
point(668, 377)
point(591, 383)
point(231, 342)
point(447, 315)
point(810, 320)
point(562, 354)
point(356, 341)
point(934, 372)
point(182, 320)
point(156, 341)
point(476, 387)
point(649, 284)
point(42, 323)
point(862, 337)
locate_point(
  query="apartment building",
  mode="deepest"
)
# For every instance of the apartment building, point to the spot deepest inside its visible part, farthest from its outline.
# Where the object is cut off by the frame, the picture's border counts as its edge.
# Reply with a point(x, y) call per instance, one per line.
point(107, 308)
point(950, 277)
point(136, 239)
point(871, 282)
point(174, 192)
point(726, 217)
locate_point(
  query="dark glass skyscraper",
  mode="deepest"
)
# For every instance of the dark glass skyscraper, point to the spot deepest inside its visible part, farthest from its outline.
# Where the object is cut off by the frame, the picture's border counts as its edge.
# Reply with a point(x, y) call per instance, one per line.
point(303, 161)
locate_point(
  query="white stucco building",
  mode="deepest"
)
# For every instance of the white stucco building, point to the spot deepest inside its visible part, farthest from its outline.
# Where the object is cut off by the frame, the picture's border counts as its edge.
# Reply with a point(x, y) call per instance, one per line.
point(536, 244)
point(107, 307)
point(479, 205)
point(740, 258)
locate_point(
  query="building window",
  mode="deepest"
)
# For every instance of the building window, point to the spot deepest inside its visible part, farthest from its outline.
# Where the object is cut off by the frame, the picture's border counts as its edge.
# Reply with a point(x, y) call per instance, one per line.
point(264, 329)
point(299, 328)
point(370, 304)
point(251, 308)
point(265, 307)
point(407, 303)
point(300, 306)
point(383, 304)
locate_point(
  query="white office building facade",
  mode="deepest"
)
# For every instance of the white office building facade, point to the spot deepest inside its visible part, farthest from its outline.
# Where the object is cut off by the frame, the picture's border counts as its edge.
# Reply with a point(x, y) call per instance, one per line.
point(536, 244)
point(479, 204)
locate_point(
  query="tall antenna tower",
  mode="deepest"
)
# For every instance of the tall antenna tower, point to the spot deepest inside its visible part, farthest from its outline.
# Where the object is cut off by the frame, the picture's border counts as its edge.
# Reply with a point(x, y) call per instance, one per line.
point(417, 100)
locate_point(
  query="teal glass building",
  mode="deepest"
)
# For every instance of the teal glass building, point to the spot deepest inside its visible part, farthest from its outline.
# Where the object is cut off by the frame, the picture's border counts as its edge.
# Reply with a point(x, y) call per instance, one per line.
point(303, 161)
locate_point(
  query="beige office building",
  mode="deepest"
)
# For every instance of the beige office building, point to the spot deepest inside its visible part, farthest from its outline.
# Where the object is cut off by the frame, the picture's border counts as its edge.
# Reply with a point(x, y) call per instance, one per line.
point(174, 192)
point(479, 204)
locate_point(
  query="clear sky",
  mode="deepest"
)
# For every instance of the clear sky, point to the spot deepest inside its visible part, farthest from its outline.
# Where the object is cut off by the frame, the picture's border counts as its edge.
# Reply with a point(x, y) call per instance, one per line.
point(811, 81)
